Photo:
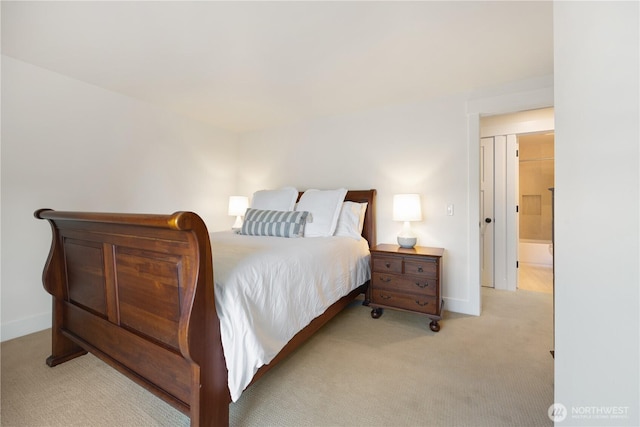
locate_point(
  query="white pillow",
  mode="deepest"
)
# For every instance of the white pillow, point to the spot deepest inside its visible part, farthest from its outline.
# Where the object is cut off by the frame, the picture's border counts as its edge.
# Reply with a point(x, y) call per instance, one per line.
point(351, 220)
point(324, 206)
point(275, 200)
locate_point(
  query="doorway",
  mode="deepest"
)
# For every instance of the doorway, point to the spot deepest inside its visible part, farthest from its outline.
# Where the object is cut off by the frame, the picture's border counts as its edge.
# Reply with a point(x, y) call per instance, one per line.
point(536, 186)
point(508, 260)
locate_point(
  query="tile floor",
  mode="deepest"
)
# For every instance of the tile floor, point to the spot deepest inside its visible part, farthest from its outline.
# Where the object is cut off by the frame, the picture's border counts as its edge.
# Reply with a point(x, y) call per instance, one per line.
point(534, 277)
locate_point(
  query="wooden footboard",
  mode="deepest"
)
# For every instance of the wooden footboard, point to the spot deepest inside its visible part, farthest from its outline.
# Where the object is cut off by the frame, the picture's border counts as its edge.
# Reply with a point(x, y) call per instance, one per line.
point(137, 291)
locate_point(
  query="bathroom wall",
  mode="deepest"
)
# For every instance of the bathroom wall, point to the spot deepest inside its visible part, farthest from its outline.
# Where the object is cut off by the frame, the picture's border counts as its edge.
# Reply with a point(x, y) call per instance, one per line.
point(536, 177)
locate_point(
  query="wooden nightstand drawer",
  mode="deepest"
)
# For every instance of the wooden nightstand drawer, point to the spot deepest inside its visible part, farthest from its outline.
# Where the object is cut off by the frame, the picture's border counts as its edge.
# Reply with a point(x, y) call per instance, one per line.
point(403, 283)
point(421, 268)
point(387, 264)
point(418, 303)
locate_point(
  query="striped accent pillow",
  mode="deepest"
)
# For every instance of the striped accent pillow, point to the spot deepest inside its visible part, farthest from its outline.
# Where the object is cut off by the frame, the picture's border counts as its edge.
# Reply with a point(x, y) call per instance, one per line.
point(258, 222)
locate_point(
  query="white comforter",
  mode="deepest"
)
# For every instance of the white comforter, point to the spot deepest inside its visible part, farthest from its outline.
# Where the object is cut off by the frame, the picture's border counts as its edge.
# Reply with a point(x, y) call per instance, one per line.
point(269, 288)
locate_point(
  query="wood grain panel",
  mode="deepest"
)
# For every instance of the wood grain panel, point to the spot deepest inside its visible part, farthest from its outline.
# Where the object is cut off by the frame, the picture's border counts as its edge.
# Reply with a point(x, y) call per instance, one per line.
point(140, 274)
point(85, 275)
point(161, 368)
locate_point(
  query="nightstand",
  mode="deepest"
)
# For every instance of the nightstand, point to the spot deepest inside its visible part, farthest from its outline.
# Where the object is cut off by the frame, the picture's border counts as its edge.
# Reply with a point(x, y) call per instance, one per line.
point(407, 279)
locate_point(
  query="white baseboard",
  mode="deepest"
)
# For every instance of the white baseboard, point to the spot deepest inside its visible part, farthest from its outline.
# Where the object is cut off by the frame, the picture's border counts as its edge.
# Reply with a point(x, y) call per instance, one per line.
point(26, 326)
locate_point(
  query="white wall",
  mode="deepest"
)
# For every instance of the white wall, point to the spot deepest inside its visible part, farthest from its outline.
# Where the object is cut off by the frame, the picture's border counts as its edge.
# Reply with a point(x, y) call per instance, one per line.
point(597, 320)
point(68, 145)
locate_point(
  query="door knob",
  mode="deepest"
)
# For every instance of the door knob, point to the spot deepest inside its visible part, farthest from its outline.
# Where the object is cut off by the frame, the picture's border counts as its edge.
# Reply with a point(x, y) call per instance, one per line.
point(487, 220)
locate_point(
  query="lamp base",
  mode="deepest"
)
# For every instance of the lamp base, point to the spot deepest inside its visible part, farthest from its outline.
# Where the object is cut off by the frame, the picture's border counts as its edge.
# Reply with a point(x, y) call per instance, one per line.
point(237, 226)
point(407, 242)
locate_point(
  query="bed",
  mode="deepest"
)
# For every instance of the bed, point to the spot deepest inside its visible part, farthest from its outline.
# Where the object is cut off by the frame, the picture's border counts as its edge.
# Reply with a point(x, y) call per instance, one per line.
point(138, 292)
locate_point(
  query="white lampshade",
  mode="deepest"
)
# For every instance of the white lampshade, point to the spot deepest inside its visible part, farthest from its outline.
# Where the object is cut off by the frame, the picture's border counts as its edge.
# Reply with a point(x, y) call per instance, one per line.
point(406, 208)
point(238, 207)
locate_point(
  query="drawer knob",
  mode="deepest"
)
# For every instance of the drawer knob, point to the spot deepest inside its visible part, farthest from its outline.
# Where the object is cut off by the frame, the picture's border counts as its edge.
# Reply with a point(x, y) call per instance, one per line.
point(385, 296)
point(422, 304)
point(422, 285)
point(387, 264)
point(385, 279)
point(420, 270)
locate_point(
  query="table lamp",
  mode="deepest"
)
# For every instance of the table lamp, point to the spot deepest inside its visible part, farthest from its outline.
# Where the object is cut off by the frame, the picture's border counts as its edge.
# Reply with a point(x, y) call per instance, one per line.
point(406, 208)
point(238, 207)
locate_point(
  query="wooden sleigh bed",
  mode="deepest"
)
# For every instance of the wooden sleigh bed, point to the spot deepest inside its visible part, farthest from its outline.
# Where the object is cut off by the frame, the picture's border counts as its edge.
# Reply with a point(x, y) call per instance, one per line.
point(137, 291)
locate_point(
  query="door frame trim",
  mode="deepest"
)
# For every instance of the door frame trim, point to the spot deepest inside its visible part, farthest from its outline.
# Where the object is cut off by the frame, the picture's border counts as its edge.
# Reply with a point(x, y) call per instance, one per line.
point(532, 99)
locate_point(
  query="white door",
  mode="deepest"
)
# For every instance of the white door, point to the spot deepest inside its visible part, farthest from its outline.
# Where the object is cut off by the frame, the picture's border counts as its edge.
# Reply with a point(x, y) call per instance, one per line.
point(498, 233)
point(486, 212)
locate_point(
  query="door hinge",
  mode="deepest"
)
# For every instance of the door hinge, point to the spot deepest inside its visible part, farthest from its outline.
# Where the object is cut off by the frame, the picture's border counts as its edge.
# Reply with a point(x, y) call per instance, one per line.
point(517, 264)
point(517, 153)
point(517, 208)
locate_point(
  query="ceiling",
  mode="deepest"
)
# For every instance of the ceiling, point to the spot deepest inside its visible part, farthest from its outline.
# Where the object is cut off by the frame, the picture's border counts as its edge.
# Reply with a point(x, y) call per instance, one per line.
point(245, 66)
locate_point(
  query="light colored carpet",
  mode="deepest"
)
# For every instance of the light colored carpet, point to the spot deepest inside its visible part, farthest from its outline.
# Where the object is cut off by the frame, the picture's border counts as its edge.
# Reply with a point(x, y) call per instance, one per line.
point(491, 370)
